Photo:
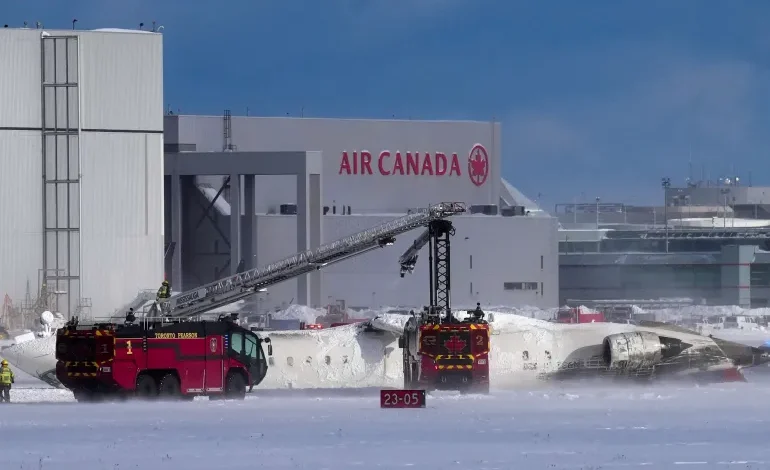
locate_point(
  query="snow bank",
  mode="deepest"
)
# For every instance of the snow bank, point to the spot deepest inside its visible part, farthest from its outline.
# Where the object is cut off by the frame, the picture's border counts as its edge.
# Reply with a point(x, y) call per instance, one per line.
point(298, 312)
point(393, 323)
point(23, 338)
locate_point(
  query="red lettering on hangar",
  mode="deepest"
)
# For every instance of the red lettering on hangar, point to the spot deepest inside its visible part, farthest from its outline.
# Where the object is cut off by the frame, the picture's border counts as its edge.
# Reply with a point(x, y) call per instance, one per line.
point(410, 163)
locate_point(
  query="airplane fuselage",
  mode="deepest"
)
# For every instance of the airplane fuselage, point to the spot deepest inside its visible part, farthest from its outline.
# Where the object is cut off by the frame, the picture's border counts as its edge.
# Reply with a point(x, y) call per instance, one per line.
point(523, 352)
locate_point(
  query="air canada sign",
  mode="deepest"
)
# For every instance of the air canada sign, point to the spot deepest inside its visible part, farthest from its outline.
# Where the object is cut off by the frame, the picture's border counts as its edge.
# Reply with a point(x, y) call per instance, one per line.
point(387, 163)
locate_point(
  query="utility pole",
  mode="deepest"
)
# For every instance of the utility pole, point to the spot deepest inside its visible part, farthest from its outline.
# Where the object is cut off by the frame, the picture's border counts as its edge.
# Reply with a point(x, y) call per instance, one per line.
point(666, 183)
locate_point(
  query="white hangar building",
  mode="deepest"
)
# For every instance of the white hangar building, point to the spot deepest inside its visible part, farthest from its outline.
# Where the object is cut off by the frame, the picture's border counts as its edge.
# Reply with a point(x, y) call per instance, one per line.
point(81, 148)
point(346, 175)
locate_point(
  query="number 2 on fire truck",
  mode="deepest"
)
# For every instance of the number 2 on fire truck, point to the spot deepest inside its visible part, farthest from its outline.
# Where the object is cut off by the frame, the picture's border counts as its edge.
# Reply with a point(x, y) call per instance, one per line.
point(479, 340)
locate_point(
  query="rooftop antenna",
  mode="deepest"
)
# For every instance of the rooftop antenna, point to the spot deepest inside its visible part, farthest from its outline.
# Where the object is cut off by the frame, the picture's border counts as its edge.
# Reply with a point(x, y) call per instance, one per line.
point(25, 24)
point(153, 26)
point(141, 25)
point(38, 25)
point(75, 20)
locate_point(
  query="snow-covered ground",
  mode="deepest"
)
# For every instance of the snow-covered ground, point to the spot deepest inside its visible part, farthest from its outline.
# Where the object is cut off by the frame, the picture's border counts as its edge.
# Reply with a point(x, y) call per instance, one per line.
point(572, 425)
point(581, 426)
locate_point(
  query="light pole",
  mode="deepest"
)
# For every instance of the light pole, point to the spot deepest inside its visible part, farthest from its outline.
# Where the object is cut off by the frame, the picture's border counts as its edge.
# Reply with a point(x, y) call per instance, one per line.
point(597, 213)
point(725, 192)
point(666, 183)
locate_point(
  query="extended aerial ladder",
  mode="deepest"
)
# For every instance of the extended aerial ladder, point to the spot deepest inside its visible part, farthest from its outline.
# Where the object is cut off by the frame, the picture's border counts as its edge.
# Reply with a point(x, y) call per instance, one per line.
point(240, 286)
point(439, 350)
point(437, 236)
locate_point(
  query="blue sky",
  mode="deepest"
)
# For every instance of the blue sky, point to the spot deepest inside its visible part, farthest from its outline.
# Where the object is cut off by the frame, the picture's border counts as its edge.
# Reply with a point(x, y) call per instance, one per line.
point(596, 97)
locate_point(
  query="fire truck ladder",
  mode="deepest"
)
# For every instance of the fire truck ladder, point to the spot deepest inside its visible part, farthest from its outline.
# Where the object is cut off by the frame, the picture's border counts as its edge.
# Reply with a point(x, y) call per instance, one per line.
point(437, 236)
point(239, 286)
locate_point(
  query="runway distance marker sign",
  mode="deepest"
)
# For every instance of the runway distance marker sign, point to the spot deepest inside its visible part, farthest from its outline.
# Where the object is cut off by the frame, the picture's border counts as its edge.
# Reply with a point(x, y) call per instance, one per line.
point(402, 398)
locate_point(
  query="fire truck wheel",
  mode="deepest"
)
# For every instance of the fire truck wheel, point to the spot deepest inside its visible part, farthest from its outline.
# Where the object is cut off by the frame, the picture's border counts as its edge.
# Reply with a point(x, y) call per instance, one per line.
point(169, 387)
point(236, 386)
point(146, 387)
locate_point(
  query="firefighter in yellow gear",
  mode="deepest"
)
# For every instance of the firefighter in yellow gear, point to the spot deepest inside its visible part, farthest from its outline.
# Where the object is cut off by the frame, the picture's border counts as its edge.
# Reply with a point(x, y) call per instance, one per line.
point(6, 380)
point(163, 293)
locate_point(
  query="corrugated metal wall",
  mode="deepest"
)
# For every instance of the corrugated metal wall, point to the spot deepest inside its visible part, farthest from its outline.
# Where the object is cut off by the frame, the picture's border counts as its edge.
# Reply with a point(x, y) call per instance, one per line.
point(21, 220)
point(20, 82)
point(122, 171)
point(123, 74)
point(122, 226)
point(21, 234)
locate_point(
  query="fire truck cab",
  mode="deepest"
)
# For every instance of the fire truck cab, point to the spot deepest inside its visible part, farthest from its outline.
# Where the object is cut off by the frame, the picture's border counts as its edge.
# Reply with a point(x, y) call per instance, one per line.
point(446, 353)
point(168, 359)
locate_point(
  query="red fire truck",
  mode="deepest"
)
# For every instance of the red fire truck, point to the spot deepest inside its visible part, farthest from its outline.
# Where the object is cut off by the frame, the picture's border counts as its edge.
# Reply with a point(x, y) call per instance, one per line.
point(446, 354)
point(439, 350)
point(171, 359)
point(578, 315)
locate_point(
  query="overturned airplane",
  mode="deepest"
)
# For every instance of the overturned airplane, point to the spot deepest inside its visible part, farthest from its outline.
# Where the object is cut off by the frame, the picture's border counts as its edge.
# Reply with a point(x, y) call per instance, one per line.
point(524, 352)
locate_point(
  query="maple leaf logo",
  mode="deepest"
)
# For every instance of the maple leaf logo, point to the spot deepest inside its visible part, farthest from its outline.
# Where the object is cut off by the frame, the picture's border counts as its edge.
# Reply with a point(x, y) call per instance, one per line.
point(478, 165)
point(455, 344)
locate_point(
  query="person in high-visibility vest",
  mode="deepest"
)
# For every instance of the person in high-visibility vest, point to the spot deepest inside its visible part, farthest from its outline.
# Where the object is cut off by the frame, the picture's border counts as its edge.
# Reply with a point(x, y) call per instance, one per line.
point(163, 293)
point(6, 381)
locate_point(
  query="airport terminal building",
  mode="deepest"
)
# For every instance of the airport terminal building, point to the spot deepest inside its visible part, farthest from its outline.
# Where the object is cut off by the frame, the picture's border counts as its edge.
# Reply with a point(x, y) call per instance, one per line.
point(715, 251)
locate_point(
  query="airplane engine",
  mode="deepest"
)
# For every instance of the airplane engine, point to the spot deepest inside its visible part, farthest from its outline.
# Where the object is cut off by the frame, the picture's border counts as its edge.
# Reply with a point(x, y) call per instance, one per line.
point(632, 350)
point(639, 349)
